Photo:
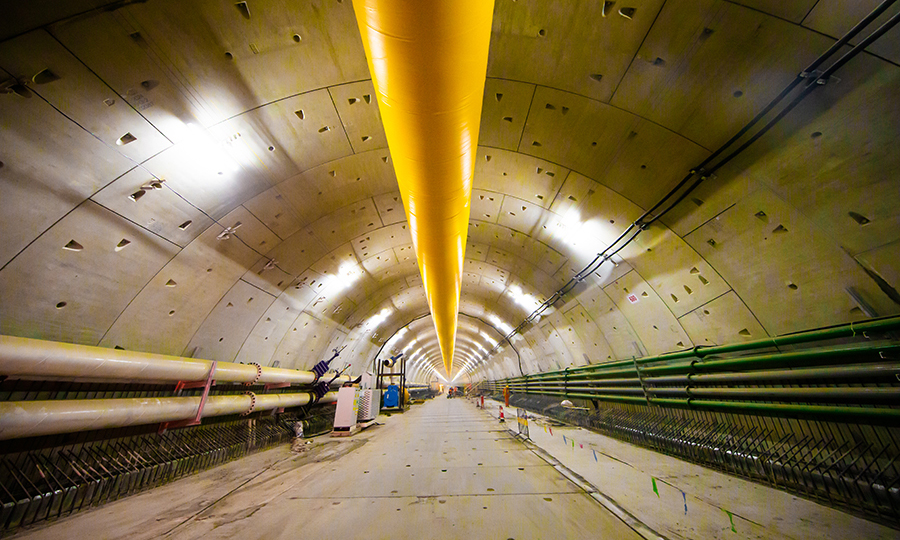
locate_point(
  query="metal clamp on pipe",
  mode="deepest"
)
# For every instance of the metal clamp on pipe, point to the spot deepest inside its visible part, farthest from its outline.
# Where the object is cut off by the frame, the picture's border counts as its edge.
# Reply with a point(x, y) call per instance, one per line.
point(258, 374)
point(252, 403)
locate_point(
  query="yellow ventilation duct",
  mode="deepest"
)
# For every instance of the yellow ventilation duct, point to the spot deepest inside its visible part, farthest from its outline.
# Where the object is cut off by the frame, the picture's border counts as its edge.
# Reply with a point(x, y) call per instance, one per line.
point(428, 60)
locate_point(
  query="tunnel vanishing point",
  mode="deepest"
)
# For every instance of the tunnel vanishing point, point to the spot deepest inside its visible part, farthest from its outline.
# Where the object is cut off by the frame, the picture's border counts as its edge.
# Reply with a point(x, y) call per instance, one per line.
point(668, 230)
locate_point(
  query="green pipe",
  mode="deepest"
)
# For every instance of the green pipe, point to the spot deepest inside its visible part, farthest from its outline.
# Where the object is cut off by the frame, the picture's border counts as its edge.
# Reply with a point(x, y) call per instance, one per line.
point(878, 415)
point(886, 373)
point(600, 397)
point(845, 330)
point(882, 415)
point(631, 381)
point(888, 394)
point(791, 359)
point(613, 390)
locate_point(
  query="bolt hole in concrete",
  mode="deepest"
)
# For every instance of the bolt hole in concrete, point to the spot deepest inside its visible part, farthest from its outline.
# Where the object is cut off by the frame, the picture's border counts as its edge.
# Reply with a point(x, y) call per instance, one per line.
point(859, 218)
point(73, 246)
point(128, 138)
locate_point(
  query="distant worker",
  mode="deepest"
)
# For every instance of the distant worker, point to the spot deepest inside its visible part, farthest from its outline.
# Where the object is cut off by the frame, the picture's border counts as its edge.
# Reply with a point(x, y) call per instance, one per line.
point(506, 395)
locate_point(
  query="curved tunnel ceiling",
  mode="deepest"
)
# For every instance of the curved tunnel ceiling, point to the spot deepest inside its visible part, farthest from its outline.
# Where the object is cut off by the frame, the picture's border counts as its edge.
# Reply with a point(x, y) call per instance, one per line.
point(213, 180)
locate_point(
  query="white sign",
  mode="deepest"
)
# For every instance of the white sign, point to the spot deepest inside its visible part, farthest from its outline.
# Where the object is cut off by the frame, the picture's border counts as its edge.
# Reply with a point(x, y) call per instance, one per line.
point(633, 298)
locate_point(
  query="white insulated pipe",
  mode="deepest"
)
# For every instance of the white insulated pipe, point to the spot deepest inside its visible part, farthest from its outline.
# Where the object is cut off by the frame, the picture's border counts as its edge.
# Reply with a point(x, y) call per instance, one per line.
point(50, 360)
point(32, 418)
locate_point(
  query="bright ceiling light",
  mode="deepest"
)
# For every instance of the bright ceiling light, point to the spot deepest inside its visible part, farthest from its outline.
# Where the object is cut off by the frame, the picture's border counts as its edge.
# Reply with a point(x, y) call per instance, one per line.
point(487, 337)
point(521, 298)
point(587, 237)
point(500, 324)
point(200, 156)
point(377, 319)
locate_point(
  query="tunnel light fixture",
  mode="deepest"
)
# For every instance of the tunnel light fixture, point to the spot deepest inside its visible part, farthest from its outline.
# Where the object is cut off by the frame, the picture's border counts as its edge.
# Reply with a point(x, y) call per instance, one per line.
point(489, 338)
point(347, 274)
point(500, 324)
point(521, 298)
point(586, 237)
point(201, 155)
point(375, 320)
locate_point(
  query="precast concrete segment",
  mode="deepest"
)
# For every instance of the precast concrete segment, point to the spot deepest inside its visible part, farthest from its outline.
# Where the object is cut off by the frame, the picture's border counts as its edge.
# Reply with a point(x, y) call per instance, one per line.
point(49, 360)
point(442, 470)
point(428, 61)
point(34, 418)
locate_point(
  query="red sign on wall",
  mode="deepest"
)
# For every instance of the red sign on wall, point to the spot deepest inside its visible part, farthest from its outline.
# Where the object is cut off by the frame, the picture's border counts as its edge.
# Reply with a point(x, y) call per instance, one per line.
point(633, 298)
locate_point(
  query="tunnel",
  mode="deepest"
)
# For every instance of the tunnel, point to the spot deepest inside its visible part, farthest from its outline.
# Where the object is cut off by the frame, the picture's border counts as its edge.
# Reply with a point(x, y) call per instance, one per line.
point(450, 269)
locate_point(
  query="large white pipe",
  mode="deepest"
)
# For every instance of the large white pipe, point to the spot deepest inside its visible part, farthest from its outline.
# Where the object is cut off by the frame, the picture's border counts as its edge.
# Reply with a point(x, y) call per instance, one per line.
point(32, 418)
point(37, 359)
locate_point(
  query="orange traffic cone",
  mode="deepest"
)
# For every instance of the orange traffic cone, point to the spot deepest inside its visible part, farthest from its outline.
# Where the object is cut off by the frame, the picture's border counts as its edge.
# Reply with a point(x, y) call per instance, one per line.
point(502, 419)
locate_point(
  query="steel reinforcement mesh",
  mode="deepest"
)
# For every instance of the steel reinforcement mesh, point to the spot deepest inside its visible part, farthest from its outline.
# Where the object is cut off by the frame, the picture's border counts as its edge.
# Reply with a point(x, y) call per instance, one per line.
point(56, 481)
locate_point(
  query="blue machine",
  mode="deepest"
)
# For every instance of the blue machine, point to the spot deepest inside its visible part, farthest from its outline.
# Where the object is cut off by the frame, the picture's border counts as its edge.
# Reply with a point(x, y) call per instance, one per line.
point(392, 396)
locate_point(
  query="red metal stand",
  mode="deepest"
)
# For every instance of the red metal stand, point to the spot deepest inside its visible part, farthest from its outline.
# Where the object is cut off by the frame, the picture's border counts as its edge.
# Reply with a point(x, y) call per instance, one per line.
point(181, 385)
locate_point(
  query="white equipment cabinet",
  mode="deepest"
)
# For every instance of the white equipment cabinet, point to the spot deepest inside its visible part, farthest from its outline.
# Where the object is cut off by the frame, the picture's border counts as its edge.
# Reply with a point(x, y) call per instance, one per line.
point(369, 405)
point(347, 411)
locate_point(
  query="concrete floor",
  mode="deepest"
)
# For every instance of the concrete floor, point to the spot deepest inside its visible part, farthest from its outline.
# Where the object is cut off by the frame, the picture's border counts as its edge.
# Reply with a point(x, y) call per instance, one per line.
point(442, 470)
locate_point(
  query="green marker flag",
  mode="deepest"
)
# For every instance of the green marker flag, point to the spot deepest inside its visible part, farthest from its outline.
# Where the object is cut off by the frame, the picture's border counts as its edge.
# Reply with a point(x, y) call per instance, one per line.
point(730, 519)
point(573, 443)
point(654, 486)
